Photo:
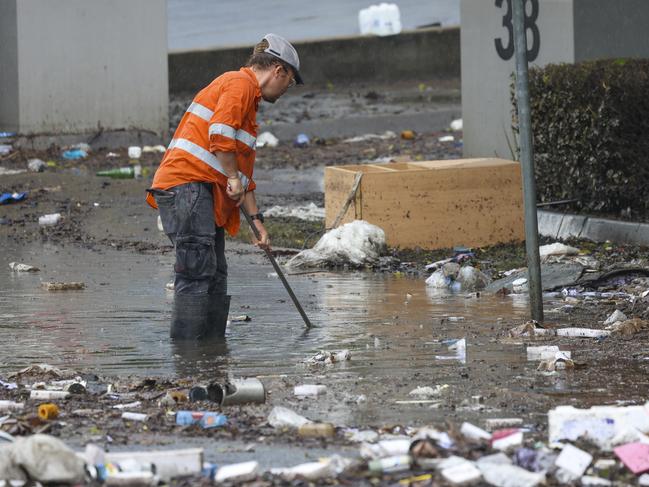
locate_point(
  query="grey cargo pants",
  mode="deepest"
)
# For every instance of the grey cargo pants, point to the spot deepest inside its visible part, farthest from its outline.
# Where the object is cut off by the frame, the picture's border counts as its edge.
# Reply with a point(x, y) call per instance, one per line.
point(201, 304)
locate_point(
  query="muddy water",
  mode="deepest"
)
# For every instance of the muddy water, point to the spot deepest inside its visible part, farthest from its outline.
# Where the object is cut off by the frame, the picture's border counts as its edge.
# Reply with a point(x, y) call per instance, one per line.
point(118, 325)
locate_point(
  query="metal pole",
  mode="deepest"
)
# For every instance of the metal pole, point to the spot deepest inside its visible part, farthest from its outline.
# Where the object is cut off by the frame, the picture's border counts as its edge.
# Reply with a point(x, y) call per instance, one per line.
point(278, 270)
point(527, 162)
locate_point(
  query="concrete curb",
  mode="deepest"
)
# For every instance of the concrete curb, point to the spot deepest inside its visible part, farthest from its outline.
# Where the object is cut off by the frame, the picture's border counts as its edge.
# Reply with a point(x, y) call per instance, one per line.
point(564, 225)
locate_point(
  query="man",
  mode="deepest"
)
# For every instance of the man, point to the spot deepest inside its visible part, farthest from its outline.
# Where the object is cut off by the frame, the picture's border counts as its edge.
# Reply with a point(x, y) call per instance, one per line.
point(206, 174)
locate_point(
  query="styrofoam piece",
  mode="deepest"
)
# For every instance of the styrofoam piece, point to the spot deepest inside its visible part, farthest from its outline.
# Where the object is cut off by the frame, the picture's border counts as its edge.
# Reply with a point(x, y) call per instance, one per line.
point(463, 474)
point(281, 417)
point(605, 426)
point(134, 152)
point(635, 457)
point(542, 353)
point(48, 395)
point(49, 220)
point(474, 432)
point(574, 460)
point(131, 479)
point(169, 463)
point(310, 390)
point(457, 125)
point(582, 333)
point(309, 212)
point(501, 475)
point(238, 472)
point(266, 139)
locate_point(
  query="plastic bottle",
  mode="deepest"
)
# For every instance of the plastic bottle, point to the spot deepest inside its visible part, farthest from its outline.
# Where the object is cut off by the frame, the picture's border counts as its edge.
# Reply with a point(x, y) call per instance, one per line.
point(206, 419)
point(390, 464)
point(129, 172)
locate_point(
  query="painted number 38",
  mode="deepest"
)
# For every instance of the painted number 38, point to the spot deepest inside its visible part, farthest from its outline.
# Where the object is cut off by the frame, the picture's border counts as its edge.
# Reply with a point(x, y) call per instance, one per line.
point(506, 52)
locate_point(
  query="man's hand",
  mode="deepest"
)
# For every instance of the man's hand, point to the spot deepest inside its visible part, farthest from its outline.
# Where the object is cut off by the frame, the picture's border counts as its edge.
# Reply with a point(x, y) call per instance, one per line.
point(264, 242)
point(235, 190)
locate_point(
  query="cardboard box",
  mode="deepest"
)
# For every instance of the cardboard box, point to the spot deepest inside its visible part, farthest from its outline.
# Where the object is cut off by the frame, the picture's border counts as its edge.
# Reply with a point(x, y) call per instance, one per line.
point(433, 204)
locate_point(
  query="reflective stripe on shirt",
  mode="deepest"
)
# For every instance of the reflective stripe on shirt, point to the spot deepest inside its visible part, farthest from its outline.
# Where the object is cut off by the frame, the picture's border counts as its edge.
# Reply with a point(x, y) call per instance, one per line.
point(205, 156)
point(200, 111)
point(229, 132)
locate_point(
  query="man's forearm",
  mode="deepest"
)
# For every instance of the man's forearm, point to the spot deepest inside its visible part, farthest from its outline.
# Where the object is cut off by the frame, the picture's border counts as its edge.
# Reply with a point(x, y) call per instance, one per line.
point(229, 162)
point(250, 203)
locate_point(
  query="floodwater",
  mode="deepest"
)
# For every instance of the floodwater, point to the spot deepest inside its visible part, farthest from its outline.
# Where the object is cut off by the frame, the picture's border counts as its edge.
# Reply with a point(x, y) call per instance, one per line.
point(119, 325)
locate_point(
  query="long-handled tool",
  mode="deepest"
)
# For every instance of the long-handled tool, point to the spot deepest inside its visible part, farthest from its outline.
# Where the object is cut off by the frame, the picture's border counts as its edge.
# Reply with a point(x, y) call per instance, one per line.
point(277, 268)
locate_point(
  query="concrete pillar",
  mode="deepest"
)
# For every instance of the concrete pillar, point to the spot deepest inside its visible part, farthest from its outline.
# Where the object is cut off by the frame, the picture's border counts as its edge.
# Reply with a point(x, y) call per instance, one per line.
point(559, 31)
point(77, 66)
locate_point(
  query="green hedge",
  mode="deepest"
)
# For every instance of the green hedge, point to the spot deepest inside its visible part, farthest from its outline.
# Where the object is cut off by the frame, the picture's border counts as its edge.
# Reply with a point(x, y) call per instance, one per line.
point(591, 135)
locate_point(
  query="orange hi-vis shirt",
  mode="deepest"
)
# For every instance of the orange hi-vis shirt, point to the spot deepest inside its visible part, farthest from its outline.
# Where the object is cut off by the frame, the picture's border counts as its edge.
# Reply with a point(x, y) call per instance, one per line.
point(222, 117)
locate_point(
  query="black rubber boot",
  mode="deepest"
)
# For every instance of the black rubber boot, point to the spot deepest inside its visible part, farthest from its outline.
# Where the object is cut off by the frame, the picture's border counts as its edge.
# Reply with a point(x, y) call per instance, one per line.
point(190, 318)
point(218, 315)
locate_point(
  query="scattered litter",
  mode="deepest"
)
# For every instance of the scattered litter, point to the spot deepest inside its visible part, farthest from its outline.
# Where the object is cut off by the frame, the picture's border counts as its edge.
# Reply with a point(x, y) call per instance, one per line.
point(112, 155)
point(205, 419)
point(310, 390)
point(493, 424)
point(48, 411)
point(281, 417)
point(381, 20)
point(302, 140)
point(357, 243)
point(316, 430)
point(573, 461)
point(363, 138)
point(11, 172)
point(454, 277)
point(465, 473)
point(49, 220)
point(504, 475)
point(155, 148)
point(555, 250)
point(561, 361)
point(386, 448)
point(616, 316)
point(9, 406)
point(128, 172)
point(605, 426)
point(7, 198)
point(506, 439)
point(457, 125)
point(64, 286)
point(48, 395)
point(582, 333)
point(41, 458)
point(18, 267)
point(629, 327)
point(473, 432)
point(5, 149)
point(447, 138)
point(310, 212)
point(36, 165)
point(428, 391)
point(329, 358)
point(407, 135)
point(635, 457)
point(520, 286)
point(267, 139)
point(75, 154)
point(457, 346)
point(134, 152)
point(543, 352)
point(237, 473)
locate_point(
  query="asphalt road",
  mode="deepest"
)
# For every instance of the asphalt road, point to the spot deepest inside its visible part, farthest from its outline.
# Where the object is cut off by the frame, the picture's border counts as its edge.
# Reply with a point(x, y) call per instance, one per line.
point(202, 24)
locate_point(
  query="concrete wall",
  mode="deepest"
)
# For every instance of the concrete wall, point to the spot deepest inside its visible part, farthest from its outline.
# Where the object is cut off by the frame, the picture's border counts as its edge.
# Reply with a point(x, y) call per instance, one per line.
point(90, 64)
point(487, 77)
point(8, 66)
point(417, 55)
point(610, 29)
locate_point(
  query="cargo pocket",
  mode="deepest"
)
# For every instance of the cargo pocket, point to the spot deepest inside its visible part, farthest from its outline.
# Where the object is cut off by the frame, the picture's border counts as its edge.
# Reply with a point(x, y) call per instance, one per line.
point(195, 257)
point(166, 201)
